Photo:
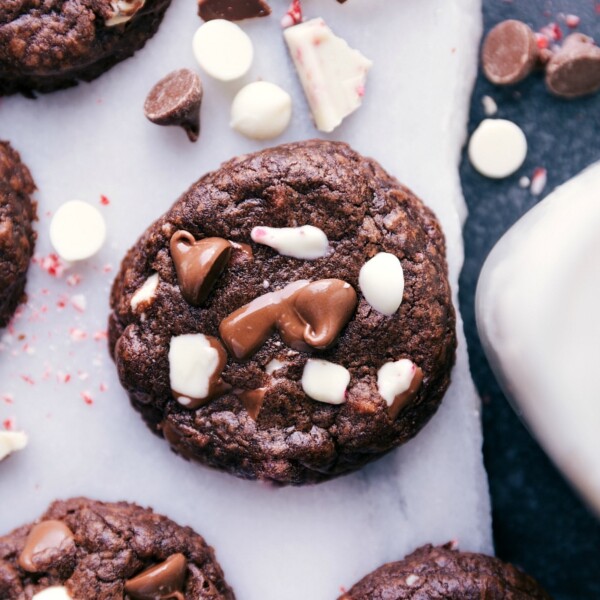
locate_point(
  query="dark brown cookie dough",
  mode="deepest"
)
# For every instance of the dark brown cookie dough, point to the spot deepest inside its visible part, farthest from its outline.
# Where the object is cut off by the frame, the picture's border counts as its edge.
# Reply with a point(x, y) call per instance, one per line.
point(49, 45)
point(98, 550)
point(275, 431)
point(442, 573)
point(17, 238)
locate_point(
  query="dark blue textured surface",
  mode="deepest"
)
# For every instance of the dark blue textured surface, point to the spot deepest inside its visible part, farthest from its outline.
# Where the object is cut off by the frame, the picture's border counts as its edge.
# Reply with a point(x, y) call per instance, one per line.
point(539, 523)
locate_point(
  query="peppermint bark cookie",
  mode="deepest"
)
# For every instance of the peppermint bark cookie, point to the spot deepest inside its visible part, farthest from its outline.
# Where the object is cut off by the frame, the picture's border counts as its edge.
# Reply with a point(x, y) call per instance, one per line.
point(82, 549)
point(17, 238)
point(444, 573)
point(289, 319)
point(51, 45)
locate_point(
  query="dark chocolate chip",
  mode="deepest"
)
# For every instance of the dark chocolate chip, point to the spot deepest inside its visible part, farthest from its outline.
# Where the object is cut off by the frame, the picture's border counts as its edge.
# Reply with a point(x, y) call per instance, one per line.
point(574, 70)
point(176, 100)
point(232, 10)
point(510, 53)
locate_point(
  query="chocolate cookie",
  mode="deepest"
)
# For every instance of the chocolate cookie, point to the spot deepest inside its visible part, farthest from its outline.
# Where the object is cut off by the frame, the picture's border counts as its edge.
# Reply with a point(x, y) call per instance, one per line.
point(17, 238)
point(83, 549)
point(443, 573)
point(52, 44)
point(290, 318)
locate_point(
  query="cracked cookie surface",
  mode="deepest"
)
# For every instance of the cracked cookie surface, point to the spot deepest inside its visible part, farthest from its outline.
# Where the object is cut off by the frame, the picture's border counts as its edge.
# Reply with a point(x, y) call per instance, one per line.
point(17, 238)
point(47, 45)
point(443, 573)
point(291, 438)
point(106, 545)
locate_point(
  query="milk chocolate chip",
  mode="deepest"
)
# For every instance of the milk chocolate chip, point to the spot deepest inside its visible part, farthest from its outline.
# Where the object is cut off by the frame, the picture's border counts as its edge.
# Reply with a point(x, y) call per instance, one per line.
point(161, 582)
point(252, 400)
point(198, 264)
point(307, 315)
point(510, 52)
point(574, 70)
point(45, 540)
point(232, 10)
point(176, 100)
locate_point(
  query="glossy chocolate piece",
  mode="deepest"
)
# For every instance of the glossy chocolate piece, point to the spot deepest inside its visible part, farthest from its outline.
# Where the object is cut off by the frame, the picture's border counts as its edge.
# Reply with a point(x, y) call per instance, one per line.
point(176, 100)
point(232, 10)
point(198, 264)
point(574, 70)
point(47, 536)
point(510, 53)
point(402, 400)
point(253, 400)
point(306, 314)
point(160, 582)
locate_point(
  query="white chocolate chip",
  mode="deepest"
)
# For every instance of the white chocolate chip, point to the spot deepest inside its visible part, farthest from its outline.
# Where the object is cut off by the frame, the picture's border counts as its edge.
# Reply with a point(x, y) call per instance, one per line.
point(412, 580)
point(497, 148)
point(124, 11)
point(223, 49)
point(11, 441)
point(332, 74)
point(490, 107)
point(145, 293)
point(57, 592)
point(325, 381)
point(261, 110)
point(192, 363)
point(381, 281)
point(273, 366)
point(77, 230)
point(394, 378)
point(305, 242)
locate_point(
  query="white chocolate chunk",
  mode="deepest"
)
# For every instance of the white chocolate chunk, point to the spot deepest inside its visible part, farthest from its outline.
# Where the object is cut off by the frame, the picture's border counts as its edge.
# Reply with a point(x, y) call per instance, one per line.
point(145, 293)
point(273, 366)
point(497, 148)
point(306, 242)
point(261, 110)
point(11, 441)
point(394, 378)
point(223, 49)
point(77, 230)
point(57, 592)
point(332, 74)
point(381, 281)
point(124, 11)
point(192, 363)
point(325, 381)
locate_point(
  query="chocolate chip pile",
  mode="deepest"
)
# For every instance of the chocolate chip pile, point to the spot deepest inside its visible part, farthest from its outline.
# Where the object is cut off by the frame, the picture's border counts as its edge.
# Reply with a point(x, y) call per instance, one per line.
point(511, 53)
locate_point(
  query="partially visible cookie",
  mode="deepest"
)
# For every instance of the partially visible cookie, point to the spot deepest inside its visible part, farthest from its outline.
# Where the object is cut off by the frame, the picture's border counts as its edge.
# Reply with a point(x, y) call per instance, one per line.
point(17, 238)
point(52, 44)
point(87, 550)
point(289, 318)
point(443, 573)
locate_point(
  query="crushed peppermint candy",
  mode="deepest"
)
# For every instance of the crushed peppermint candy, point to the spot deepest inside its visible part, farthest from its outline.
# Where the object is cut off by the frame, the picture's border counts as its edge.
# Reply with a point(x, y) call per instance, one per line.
point(572, 21)
point(293, 16)
point(52, 264)
point(538, 181)
point(104, 200)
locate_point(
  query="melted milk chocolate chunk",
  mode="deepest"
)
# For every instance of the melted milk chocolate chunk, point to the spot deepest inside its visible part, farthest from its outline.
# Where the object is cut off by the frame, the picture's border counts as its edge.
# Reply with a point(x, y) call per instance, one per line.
point(232, 10)
point(307, 315)
point(510, 53)
point(46, 540)
point(162, 581)
point(176, 100)
point(574, 70)
point(305, 343)
point(85, 550)
point(198, 264)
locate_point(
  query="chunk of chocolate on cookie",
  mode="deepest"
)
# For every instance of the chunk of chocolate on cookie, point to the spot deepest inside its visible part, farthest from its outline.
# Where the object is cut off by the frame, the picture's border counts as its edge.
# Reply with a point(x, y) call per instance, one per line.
point(232, 10)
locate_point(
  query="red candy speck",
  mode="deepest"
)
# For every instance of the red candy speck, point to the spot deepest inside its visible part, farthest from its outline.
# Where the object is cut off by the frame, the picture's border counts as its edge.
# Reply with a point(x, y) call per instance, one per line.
point(8, 424)
point(294, 14)
point(28, 379)
point(87, 398)
point(104, 200)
